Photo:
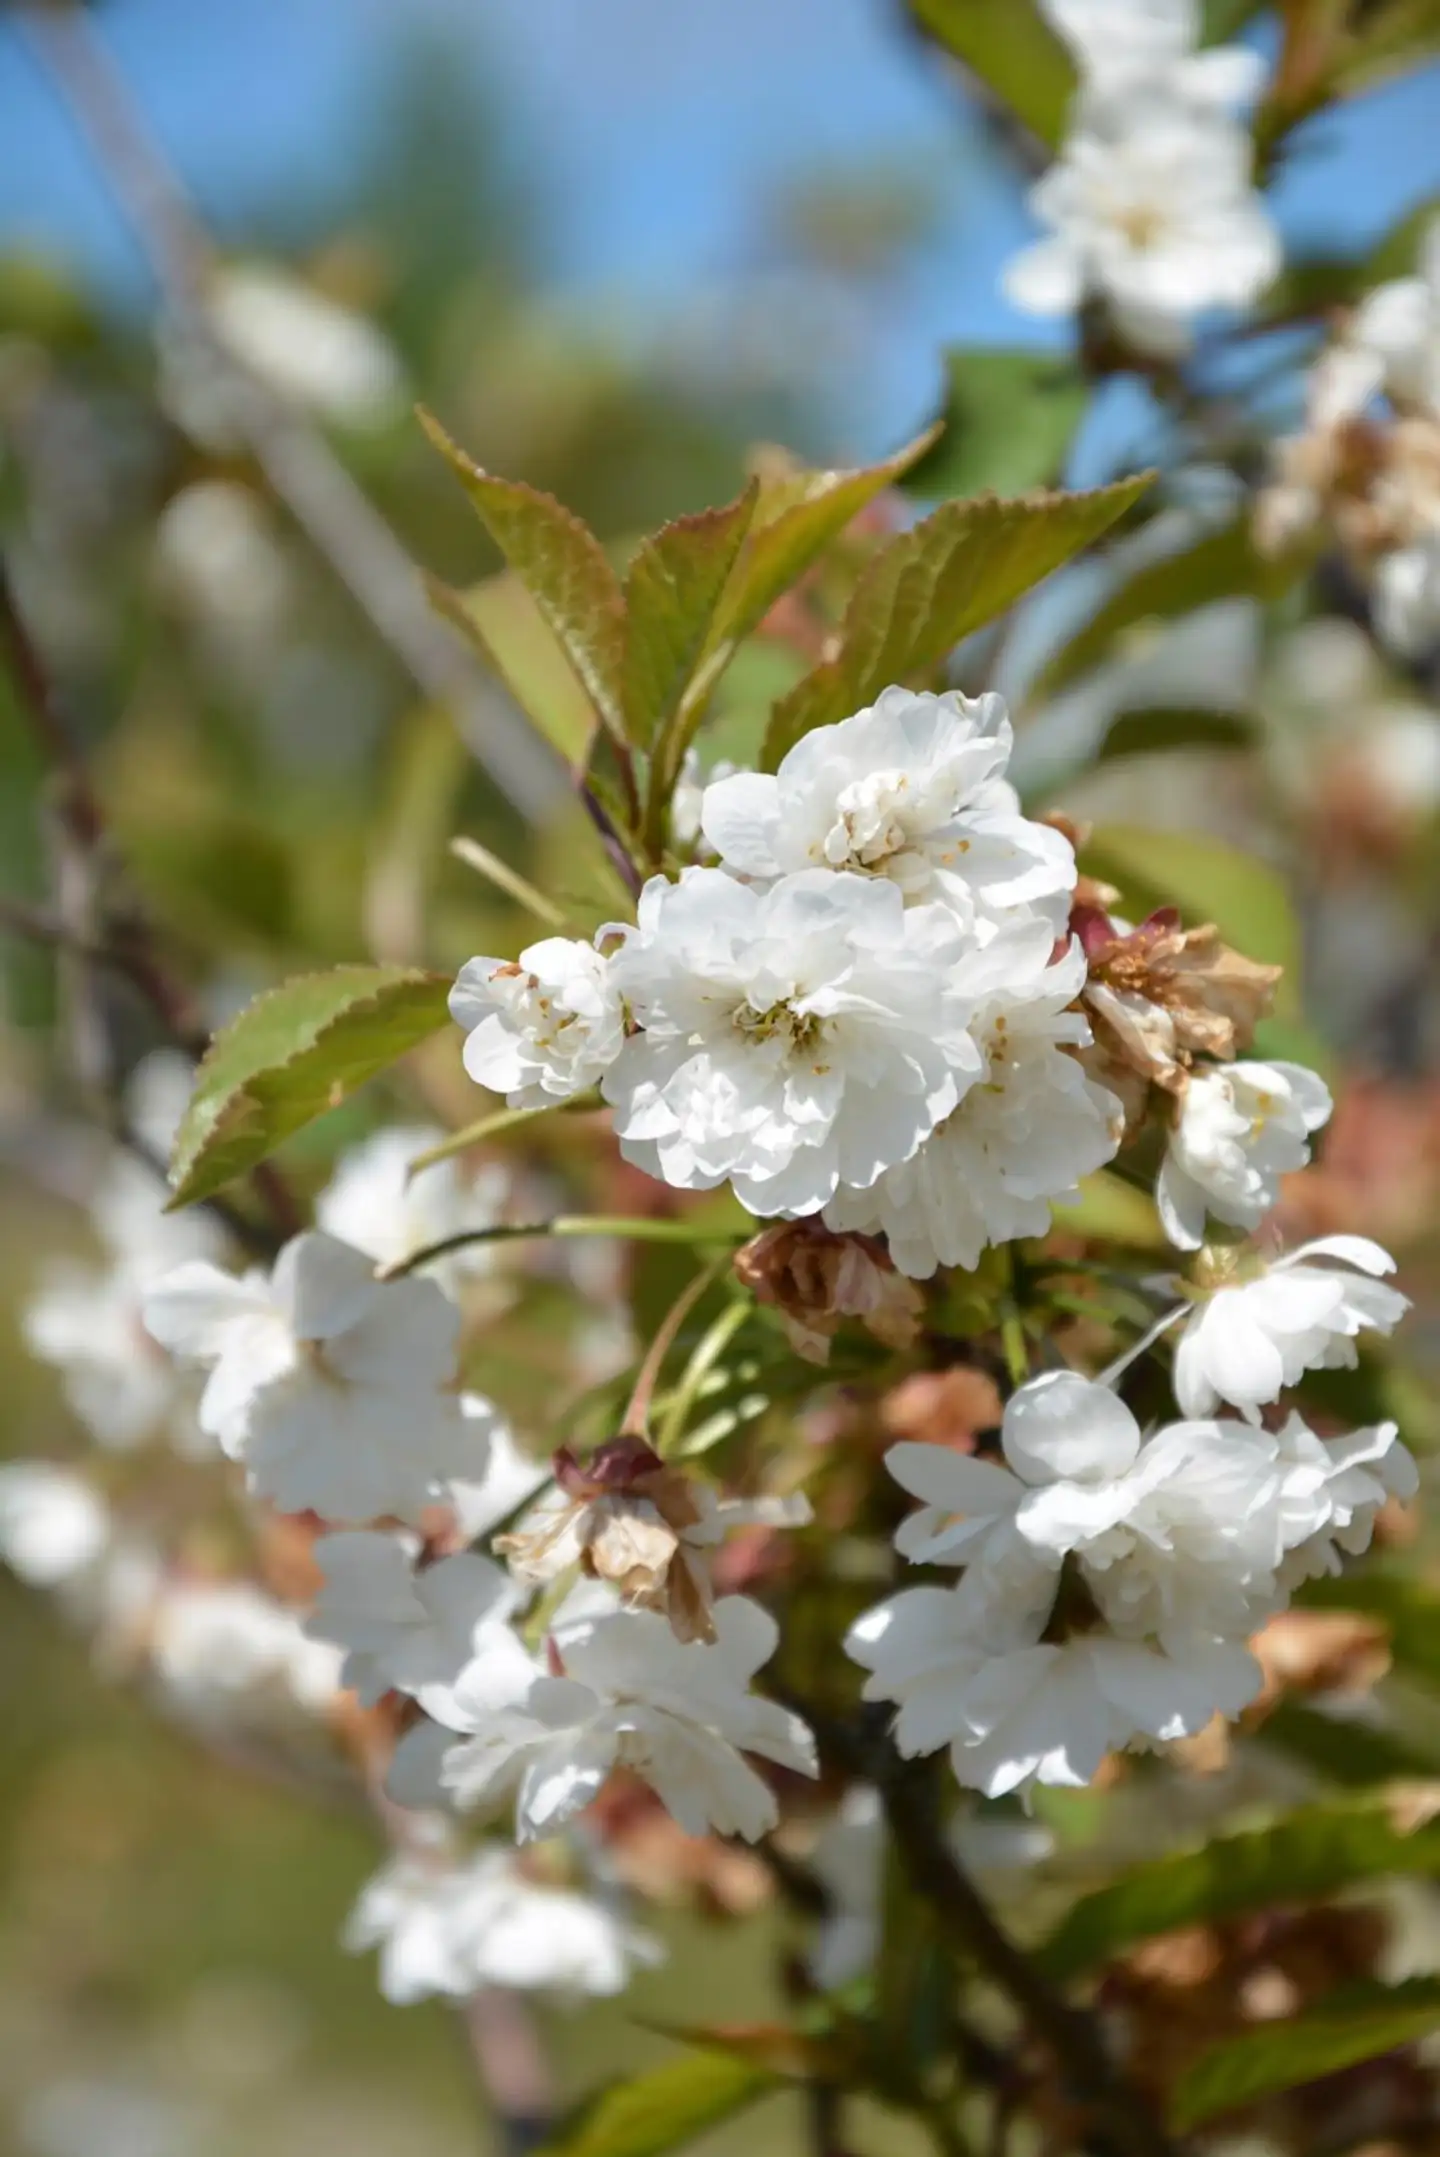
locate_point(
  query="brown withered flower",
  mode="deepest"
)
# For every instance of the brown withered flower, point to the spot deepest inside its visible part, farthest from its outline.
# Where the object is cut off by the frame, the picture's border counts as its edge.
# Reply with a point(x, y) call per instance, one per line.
point(626, 1516)
point(816, 1278)
point(1158, 996)
point(1373, 483)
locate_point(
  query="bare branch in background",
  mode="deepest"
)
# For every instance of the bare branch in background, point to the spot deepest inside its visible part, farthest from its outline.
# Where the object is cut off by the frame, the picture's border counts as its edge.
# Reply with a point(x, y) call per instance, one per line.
point(337, 517)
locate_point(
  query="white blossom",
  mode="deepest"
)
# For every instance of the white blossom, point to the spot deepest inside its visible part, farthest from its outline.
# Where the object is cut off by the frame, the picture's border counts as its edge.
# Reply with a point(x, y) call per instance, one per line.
point(796, 1038)
point(221, 1646)
point(1150, 208)
point(1393, 339)
point(687, 801)
point(1249, 1340)
point(86, 1320)
point(630, 1696)
point(306, 346)
point(541, 1028)
point(1122, 43)
point(448, 1925)
point(911, 789)
point(1177, 1535)
point(334, 1389)
point(848, 1862)
point(1407, 597)
point(1035, 1711)
point(1241, 1127)
point(54, 1525)
point(1022, 1136)
point(1333, 1489)
point(403, 1626)
point(374, 1203)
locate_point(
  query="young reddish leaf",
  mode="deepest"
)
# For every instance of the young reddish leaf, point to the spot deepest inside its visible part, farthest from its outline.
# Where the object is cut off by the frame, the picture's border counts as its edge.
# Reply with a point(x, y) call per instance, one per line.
point(563, 567)
point(936, 583)
point(796, 521)
point(293, 1053)
point(671, 594)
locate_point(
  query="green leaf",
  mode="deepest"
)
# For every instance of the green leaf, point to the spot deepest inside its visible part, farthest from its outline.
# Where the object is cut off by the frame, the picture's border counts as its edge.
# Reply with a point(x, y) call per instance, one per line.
point(1208, 881)
point(1009, 417)
point(671, 593)
point(1013, 50)
point(298, 1050)
point(933, 585)
point(1222, 565)
point(512, 637)
point(1147, 733)
point(1316, 1852)
point(563, 567)
point(663, 2110)
point(797, 519)
point(1353, 1755)
point(1361, 2023)
point(1224, 19)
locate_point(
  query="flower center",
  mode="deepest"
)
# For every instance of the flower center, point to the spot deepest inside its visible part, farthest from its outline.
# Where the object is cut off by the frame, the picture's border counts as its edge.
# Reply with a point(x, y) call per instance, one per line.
point(869, 826)
point(798, 1030)
point(1142, 224)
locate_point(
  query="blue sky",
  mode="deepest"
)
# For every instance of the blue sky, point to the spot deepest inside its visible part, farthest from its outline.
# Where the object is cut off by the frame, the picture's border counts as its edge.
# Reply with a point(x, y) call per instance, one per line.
point(655, 133)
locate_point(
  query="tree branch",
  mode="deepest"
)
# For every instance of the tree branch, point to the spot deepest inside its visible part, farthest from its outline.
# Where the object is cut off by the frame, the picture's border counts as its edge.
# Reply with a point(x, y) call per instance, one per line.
point(1124, 2125)
point(1071, 2036)
point(126, 944)
point(339, 519)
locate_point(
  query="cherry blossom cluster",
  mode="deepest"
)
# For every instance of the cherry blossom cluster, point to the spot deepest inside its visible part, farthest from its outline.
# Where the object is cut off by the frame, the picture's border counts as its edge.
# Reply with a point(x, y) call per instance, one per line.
point(865, 1011)
point(322, 1380)
point(1368, 462)
point(1110, 1581)
point(1150, 206)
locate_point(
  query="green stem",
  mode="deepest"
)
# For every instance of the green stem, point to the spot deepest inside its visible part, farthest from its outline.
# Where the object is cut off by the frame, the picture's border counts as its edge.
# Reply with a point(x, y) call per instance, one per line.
point(504, 1119)
point(510, 881)
point(637, 1228)
point(707, 1352)
point(635, 1423)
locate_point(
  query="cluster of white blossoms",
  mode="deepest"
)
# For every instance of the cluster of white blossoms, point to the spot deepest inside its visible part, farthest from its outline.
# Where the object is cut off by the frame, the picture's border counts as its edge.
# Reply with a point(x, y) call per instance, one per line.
point(1371, 454)
point(86, 1319)
point(1150, 205)
point(448, 1922)
point(864, 1010)
point(1110, 1580)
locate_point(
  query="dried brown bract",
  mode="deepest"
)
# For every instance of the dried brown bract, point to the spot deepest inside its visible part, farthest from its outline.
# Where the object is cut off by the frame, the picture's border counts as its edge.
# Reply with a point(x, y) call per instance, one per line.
point(816, 1279)
point(1159, 996)
point(622, 1515)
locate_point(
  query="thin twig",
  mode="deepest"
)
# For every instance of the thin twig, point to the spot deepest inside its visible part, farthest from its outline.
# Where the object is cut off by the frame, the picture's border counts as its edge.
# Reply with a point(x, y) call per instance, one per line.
point(78, 806)
point(339, 519)
point(510, 881)
point(635, 1423)
point(78, 929)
